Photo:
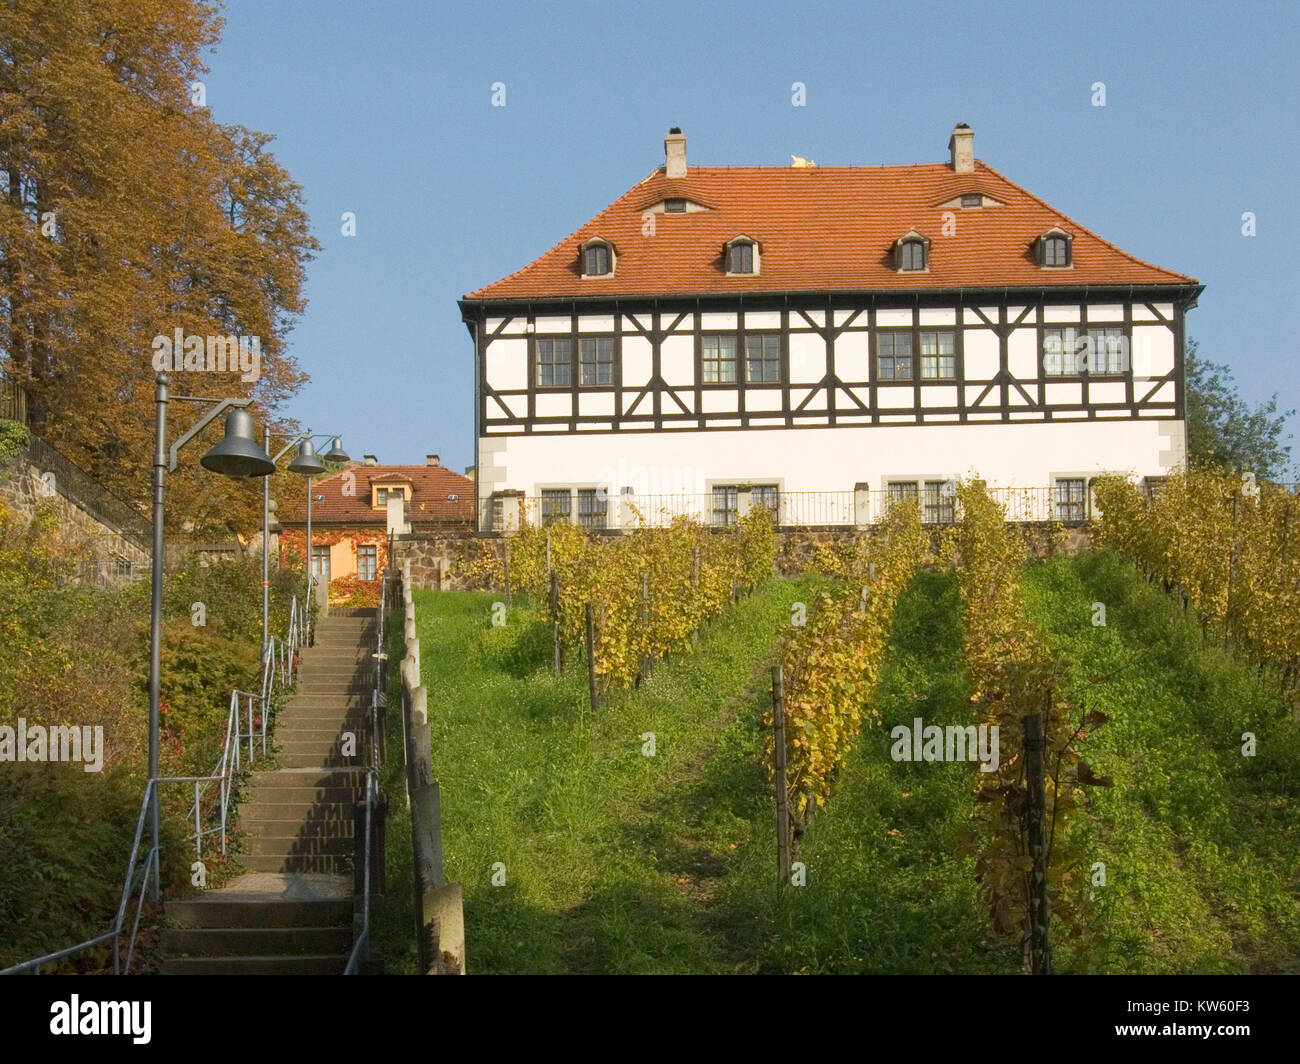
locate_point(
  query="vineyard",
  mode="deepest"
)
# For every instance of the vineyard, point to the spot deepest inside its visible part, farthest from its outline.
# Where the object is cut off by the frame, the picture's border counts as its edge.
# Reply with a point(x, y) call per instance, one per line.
point(1119, 827)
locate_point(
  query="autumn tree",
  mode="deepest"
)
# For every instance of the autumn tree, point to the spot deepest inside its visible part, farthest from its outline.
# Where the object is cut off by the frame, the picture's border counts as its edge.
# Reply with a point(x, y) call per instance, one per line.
point(126, 213)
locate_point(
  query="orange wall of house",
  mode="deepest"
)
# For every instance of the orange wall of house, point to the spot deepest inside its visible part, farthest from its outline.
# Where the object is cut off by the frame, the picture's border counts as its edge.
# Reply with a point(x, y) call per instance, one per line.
point(343, 559)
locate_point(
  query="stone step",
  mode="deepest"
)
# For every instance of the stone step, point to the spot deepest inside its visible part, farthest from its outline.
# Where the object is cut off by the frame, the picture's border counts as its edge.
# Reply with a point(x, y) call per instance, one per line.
point(297, 845)
point(307, 826)
point(213, 912)
point(334, 864)
point(286, 809)
point(256, 941)
point(323, 964)
point(320, 760)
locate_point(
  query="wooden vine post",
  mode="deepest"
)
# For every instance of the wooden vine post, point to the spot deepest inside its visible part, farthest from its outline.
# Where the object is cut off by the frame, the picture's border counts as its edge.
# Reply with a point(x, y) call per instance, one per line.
point(505, 566)
point(695, 585)
point(591, 657)
point(1040, 953)
point(555, 619)
point(644, 669)
point(782, 794)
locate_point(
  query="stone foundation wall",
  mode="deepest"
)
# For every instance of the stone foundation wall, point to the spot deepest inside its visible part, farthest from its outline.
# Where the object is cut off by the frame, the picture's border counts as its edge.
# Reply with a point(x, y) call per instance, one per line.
point(104, 556)
point(464, 561)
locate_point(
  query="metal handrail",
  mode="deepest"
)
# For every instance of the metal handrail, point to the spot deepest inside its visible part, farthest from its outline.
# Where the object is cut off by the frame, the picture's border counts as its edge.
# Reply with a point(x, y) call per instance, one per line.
point(378, 702)
point(223, 774)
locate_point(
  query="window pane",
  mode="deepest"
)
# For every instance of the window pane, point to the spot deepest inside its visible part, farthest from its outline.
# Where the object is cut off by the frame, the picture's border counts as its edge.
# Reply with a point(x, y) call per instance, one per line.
point(592, 507)
point(763, 358)
point(937, 359)
point(718, 354)
point(556, 506)
point(938, 502)
point(1069, 500)
point(725, 505)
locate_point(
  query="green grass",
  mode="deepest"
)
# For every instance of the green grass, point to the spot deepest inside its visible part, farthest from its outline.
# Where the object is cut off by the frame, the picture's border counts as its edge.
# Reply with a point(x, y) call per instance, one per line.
point(616, 862)
point(1199, 842)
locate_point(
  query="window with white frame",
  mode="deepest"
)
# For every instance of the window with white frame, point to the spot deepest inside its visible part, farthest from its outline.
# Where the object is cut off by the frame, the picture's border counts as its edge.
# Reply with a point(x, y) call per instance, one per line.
point(1071, 499)
point(596, 361)
point(554, 362)
point(557, 506)
point(938, 361)
point(367, 561)
point(718, 359)
point(593, 508)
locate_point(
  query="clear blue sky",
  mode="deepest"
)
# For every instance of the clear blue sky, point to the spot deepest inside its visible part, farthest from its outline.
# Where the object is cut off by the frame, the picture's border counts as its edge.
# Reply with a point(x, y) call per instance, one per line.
point(383, 107)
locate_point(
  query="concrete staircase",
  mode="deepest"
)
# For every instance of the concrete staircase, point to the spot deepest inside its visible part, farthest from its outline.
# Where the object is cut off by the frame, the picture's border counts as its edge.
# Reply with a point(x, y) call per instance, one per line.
point(292, 914)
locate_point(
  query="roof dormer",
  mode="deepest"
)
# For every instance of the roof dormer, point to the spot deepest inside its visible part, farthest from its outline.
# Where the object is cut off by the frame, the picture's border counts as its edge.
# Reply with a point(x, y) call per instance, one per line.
point(596, 258)
point(1055, 249)
point(740, 256)
point(912, 253)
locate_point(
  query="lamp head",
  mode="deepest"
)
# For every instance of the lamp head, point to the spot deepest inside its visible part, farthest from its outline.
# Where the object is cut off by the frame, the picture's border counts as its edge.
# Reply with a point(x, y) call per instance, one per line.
point(336, 453)
point(306, 463)
point(238, 455)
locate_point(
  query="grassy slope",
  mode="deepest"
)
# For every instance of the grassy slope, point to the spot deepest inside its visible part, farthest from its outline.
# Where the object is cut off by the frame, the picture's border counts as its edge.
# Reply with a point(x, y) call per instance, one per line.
point(1198, 841)
point(611, 858)
point(884, 891)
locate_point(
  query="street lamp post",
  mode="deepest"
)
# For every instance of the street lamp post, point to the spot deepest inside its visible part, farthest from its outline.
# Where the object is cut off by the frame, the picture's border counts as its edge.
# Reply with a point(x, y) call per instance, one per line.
point(236, 456)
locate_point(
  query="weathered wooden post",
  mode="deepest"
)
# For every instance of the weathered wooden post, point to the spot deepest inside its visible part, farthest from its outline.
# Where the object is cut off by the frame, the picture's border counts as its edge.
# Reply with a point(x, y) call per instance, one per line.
point(505, 567)
point(591, 657)
point(644, 670)
point(555, 617)
point(782, 794)
point(695, 586)
point(1040, 954)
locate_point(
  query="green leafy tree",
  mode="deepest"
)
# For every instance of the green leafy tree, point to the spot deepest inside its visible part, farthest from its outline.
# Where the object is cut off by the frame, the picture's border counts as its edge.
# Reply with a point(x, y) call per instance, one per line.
point(1222, 430)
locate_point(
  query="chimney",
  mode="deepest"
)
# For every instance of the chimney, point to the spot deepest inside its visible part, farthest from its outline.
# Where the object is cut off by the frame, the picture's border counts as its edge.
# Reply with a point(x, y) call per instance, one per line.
point(962, 146)
point(369, 459)
point(675, 153)
point(431, 460)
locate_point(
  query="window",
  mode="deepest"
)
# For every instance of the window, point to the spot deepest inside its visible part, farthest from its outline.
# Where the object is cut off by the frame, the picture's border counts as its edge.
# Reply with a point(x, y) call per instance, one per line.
point(894, 355)
point(766, 496)
point(937, 360)
point(554, 363)
point(725, 507)
point(1155, 486)
point(911, 254)
point(972, 199)
point(674, 206)
point(557, 506)
point(740, 257)
point(762, 358)
point(1070, 502)
point(901, 491)
point(381, 496)
point(320, 562)
point(1054, 248)
point(498, 518)
point(123, 568)
point(596, 260)
point(592, 508)
point(1109, 352)
point(1060, 351)
point(718, 359)
point(367, 561)
point(596, 360)
point(1069, 351)
point(939, 498)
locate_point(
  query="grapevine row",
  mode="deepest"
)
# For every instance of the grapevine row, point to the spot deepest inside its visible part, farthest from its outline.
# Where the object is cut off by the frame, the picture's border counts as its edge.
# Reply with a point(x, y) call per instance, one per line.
point(830, 663)
point(1225, 545)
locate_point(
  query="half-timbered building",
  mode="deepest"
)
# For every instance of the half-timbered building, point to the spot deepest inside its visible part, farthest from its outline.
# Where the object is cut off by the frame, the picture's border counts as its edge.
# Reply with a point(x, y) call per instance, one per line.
point(821, 340)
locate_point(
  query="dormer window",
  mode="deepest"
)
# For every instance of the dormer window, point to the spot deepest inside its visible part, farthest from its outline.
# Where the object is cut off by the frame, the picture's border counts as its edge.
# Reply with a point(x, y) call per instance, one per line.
point(741, 256)
point(912, 253)
point(597, 258)
point(1055, 248)
point(972, 199)
point(674, 206)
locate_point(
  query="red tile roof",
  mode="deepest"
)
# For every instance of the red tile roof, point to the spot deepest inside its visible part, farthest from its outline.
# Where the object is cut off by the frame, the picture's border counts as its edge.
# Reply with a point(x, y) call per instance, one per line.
point(825, 228)
point(431, 487)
